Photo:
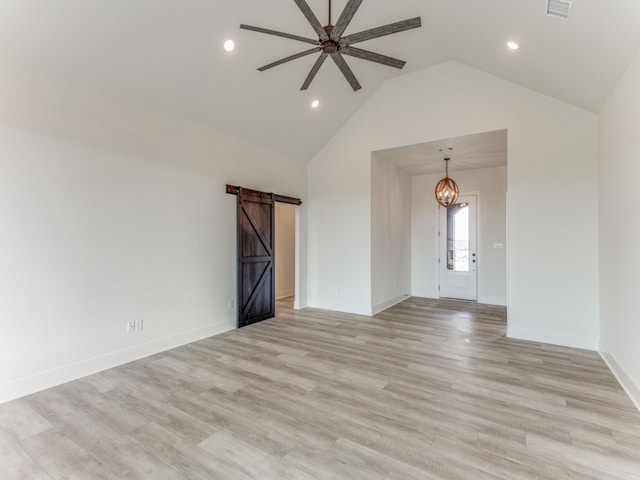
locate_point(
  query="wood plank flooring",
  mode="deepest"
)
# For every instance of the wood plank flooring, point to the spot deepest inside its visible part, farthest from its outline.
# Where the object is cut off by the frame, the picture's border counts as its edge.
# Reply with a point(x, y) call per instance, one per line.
point(425, 390)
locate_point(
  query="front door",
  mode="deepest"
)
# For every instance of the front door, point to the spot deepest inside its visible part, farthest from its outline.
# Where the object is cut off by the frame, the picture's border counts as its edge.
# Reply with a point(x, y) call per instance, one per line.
point(256, 281)
point(458, 255)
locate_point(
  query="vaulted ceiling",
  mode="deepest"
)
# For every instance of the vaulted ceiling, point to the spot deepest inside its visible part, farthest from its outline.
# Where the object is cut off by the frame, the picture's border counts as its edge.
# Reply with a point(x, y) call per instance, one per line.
point(168, 54)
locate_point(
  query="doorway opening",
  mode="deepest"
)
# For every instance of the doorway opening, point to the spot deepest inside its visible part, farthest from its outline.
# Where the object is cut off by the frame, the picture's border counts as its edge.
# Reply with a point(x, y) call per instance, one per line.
point(285, 255)
point(479, 165)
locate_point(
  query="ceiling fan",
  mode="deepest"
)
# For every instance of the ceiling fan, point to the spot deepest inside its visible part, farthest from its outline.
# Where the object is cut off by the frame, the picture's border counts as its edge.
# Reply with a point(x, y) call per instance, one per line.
point(331, 41)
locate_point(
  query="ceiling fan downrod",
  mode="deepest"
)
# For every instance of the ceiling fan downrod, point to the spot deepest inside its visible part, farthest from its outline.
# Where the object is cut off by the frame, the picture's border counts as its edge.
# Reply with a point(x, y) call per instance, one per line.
point(328, 28)
point(329, 46)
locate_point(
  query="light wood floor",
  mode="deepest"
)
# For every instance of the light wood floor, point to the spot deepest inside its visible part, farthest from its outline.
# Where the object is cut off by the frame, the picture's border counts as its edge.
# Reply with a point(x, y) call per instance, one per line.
point(426, 390)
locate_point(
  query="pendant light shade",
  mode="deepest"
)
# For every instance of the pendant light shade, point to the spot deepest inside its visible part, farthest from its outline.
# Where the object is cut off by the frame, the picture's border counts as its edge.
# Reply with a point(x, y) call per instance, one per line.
point(447, 190)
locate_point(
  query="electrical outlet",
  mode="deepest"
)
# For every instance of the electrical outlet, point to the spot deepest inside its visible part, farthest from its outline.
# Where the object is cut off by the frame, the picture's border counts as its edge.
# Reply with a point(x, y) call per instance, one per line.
point(131, 326)
point(139, 325)
point(232, 304)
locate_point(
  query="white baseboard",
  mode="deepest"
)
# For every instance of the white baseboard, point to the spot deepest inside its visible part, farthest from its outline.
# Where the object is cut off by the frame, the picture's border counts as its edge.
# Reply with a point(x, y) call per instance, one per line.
point(389, 303)
point(502, 302)
point(51, 378)
point(341, 307)
point(435, 294)
point(285, 293)
point(631, 387)
point(554, 338)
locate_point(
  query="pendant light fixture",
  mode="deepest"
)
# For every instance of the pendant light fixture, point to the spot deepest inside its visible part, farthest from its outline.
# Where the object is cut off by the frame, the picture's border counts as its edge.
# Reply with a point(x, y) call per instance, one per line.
point(447, 190)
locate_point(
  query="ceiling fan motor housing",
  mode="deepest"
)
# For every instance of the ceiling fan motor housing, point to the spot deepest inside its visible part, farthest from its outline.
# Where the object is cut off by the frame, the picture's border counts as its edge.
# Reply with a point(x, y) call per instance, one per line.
point(329, 46)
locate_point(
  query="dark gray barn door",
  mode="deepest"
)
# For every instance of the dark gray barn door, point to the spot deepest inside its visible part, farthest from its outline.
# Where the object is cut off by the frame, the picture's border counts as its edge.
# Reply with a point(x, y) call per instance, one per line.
point(256, 279)
point(256, 275)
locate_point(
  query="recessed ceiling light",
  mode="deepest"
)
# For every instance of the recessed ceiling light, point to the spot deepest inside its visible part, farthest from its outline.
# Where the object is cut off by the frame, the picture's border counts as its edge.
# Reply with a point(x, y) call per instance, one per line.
point(513, 45)
point(229, 45)
point(315, 104)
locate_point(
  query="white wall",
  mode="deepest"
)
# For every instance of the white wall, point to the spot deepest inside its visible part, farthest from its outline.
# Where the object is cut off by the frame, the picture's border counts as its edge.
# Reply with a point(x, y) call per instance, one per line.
point(491, 184)
point(285, 225)
point(553, 156)
point(620, 231)
point(390, 234)
point(339, 227)
point(112, 212)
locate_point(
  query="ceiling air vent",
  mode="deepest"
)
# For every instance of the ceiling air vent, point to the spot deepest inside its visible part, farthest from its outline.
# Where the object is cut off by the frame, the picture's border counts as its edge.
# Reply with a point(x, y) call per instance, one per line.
point(559, 8)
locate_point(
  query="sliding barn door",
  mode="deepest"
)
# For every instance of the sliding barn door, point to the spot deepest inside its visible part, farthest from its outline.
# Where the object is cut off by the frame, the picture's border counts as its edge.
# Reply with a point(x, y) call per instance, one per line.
point(256, 280)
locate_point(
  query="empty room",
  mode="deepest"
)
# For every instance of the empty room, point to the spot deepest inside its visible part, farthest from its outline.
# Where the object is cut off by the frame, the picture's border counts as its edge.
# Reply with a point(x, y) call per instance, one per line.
point(315, 239)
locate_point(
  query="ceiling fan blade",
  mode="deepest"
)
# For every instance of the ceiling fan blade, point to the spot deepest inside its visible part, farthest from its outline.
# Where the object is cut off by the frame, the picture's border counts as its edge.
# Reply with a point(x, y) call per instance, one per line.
point(372, 57)
point(314, 70)
point(346, 71)
point(288, 59)
point(382, 31)
point(312, 19)
point(280, 34)
point(347, 14)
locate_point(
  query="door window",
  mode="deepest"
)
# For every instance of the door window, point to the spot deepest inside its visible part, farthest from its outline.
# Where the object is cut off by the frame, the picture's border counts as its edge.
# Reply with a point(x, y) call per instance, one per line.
point(458, 237)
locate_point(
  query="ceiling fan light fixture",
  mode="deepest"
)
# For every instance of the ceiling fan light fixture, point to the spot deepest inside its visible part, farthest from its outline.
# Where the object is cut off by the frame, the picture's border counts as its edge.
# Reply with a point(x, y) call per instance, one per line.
point(447, 190)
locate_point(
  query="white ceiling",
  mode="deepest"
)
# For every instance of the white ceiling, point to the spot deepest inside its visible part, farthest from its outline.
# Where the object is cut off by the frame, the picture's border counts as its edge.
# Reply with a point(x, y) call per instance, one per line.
point(168, 53)
point(469, 152)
